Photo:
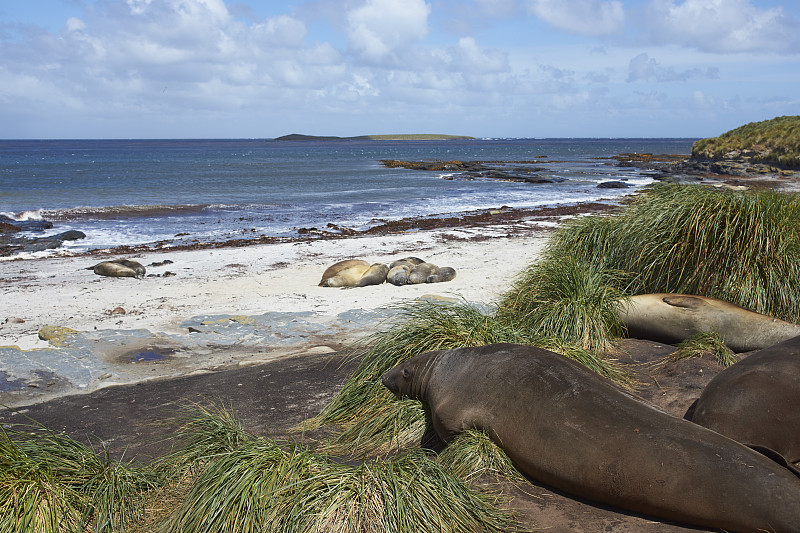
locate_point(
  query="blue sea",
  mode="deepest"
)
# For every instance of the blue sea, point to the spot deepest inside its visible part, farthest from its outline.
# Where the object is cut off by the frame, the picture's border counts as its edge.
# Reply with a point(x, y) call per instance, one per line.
point(130, 192)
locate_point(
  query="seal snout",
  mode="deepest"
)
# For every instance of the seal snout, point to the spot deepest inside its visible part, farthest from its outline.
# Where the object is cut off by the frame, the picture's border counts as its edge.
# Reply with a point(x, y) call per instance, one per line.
point(393, 380)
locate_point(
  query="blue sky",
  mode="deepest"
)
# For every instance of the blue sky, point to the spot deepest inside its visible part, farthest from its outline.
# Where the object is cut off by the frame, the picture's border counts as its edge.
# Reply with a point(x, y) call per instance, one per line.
point(487, 68)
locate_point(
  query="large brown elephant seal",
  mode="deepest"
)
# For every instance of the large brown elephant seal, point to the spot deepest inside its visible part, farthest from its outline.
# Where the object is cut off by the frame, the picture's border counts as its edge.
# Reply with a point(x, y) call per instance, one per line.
point(344, 273)
point(757, 401)
point(566, 426)
point(671, 318)
point(119, 268)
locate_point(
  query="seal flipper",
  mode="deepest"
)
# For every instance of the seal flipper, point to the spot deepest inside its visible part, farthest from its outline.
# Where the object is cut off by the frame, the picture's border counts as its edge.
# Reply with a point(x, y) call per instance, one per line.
point(775, 456)
point(430, 439)
point(689, 302)
point(689, 414)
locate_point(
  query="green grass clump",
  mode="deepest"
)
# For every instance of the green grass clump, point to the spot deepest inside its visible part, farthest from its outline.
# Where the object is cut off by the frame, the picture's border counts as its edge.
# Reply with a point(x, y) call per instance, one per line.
point(742, 247)
point(372, 420)
point(472, 454)
point(50, 482)
point(707, 342)
point(254, 483)
point(569, 299)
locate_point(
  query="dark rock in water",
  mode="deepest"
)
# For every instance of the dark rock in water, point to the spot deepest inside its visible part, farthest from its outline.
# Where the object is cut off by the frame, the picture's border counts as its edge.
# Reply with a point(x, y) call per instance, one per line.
point(10, 244)
point(71, 235)
point(26, 225)
point(6, 227)
point(613, 185)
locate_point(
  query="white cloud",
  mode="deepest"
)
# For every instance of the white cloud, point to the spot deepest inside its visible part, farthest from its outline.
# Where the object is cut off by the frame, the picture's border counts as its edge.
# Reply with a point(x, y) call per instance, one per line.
point(722, 26)
point(584, 17)
point(379, 28)
point(645, 68)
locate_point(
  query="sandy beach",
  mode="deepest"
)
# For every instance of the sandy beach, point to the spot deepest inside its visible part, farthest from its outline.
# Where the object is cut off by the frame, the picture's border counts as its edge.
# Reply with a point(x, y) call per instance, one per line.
point(211, 309)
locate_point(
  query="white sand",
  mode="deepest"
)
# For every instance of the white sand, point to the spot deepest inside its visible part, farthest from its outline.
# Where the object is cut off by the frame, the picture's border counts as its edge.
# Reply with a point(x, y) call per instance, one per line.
point(243, 281)
point(252, 280)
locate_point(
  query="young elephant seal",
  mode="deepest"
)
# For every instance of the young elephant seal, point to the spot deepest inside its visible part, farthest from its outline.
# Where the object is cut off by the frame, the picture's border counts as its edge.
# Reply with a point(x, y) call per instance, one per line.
point(398, 274)
point(443, 274)
point(119, 268)
point(757, 401)
point(409, 261)
point(421, 272)
point(671, 318)
point(566, 426)
point(374, 276)
point(344, 273)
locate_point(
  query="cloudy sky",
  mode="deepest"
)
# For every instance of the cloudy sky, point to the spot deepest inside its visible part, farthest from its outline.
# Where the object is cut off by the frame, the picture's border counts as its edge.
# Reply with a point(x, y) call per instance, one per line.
point(487, 68)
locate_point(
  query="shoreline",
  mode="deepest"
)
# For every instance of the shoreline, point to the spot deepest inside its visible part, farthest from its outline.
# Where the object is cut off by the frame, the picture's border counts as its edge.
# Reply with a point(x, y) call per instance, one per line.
point(232, 305)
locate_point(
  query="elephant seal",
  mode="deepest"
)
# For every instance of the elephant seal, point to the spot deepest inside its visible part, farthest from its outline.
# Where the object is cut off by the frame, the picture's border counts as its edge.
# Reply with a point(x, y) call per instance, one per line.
point(344, 273)
point(757, 401)
point(671, 318)
point(409, 261)
point(375, 275)
point(568, 427)
point(398, 274)
point(119, 268)
point(421, 272)
point(443, 274)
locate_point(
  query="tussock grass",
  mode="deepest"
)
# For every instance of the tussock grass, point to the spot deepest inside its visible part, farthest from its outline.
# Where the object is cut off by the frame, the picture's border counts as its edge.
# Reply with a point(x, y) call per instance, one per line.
point(472, 454)
point(742, 247)
point(50, 482)
point(372, 421)
point(569, 299)
point(260, 484)
point(707, 342)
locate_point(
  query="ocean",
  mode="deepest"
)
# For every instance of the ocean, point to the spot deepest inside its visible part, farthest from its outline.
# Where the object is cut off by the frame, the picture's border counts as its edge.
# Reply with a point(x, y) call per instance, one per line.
point(131, 192)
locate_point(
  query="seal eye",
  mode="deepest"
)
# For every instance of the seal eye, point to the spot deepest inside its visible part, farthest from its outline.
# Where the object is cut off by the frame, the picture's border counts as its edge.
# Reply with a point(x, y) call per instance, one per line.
point(406, 373)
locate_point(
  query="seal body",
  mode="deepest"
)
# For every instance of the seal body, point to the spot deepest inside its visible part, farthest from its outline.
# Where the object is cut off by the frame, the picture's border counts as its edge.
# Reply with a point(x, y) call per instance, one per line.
point(344, 273)
point(757, 400)
point(671, 318)
point(443, 274)
point(398, 274)
point(420, 273)
point(408, 261)
point(568, 427)
point(375, 275)
point(119, 268)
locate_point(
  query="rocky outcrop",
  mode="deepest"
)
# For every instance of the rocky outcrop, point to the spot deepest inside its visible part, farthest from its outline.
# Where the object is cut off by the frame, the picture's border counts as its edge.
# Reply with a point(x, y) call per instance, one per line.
point(15, 236)
point(521, 171)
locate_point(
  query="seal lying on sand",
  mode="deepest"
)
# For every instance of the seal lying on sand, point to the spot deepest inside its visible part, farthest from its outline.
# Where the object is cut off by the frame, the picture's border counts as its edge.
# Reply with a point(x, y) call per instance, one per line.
point(566, 426)
point(119, 268)
point(375, 275)
point(354, 273)
point(757, 401)
point(344, 273)
point(671, 318)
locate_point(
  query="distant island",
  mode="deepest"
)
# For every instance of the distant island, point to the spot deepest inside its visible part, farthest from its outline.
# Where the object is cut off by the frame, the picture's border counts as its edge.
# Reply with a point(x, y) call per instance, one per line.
point(397, 137)
point(772, 142)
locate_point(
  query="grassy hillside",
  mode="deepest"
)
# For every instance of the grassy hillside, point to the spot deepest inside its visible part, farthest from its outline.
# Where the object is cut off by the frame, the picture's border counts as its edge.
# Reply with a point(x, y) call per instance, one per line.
point(775, 142)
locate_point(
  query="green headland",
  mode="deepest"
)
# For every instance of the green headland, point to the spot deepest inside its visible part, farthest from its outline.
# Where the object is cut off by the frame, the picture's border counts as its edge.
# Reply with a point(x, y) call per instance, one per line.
point(391, 137)
point(775, 142)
